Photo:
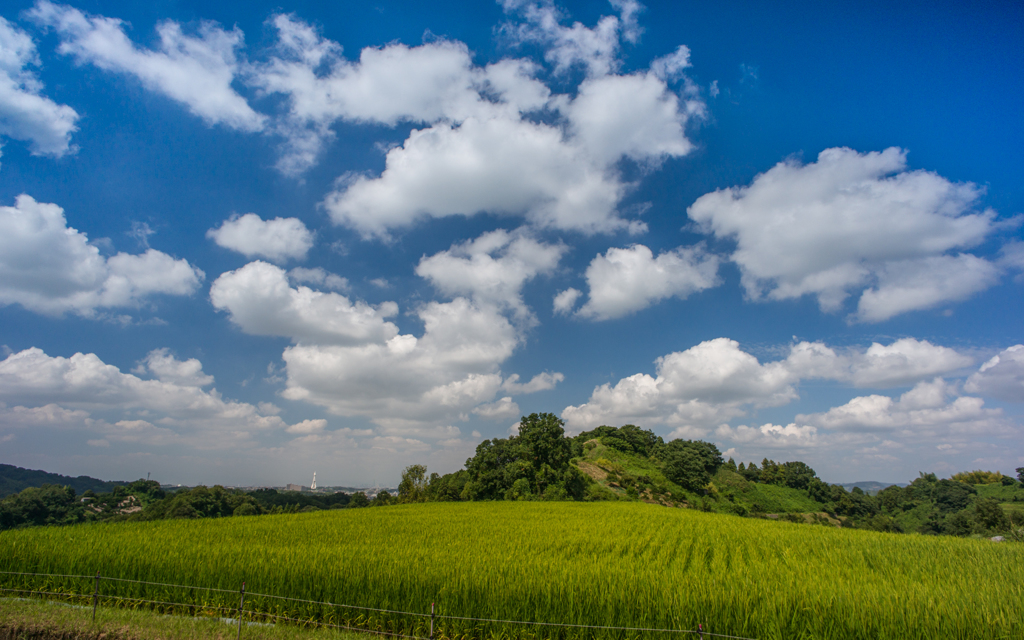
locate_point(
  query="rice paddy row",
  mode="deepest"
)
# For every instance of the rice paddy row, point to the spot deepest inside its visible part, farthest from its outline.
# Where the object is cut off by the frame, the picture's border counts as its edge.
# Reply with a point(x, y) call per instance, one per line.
point(619, 564)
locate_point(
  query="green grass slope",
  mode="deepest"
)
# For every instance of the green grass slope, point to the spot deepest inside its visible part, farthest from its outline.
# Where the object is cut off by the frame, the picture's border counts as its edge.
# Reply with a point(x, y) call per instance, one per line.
point(617, 564)
point(618, 472)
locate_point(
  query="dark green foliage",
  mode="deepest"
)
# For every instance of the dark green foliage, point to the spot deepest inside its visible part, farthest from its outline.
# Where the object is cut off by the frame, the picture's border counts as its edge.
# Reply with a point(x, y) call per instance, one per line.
point(202, 502)
point(950, 495)
point(534, 465)
point(628, 438)
point(1020, 474)
point(989, 517)
point(48, 504)
point(447, 488)
point(690, 463)
point(274, 501)
point(413, 487)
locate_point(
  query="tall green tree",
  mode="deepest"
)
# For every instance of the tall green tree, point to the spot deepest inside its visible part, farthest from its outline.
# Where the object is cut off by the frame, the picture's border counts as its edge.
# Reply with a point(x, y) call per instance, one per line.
point(413, 487)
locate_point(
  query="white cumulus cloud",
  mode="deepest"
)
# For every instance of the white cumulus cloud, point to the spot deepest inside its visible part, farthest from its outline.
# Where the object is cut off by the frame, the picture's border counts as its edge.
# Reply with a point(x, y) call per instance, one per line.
point(624, 281)
point(489, 139)
point(48, 267)
point(1001, 377)
point(930, 409)
point(492, 268)
point(83, 392)
point(25, 114)
point(260, 301)
point(853, 222)
point(196, 71)
point(277, 240)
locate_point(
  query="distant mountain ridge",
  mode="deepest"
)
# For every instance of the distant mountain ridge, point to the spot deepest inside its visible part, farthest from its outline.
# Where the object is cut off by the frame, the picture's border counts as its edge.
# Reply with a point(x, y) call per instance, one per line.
point(870, 486)
point(15, 479)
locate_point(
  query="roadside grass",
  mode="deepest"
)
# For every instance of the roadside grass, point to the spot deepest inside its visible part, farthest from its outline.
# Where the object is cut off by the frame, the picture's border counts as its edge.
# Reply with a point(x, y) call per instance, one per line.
point(45, 619)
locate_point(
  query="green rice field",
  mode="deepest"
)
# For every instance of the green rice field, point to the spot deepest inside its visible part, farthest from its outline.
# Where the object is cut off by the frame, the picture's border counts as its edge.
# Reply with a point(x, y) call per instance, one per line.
point(605, 564)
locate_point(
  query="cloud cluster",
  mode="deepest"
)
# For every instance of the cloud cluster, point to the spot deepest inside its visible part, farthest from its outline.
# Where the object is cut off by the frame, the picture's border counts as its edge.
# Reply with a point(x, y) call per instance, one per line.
point(853, 222)
point(196, 71)
point(717, 381)
point(624, 281)
point(481, 151)
point(25, 114)
point(49, 268)
point(1001, 377)
point(492, 139)
point(277, 240)
point(492, 269)
point(85, 393)
point(260, 300)
point(931, 409)
point(349, 359)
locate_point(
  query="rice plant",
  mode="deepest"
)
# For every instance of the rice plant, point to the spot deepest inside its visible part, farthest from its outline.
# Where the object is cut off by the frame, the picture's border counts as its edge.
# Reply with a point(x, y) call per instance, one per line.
point(621, 565)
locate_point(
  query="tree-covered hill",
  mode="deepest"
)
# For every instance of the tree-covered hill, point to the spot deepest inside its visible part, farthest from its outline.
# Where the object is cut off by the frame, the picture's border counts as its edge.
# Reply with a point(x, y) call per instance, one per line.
point(15, 479)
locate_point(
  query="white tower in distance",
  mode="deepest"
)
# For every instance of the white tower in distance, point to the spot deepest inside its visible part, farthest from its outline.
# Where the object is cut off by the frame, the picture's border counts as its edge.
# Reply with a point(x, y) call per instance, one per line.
point(312, 487)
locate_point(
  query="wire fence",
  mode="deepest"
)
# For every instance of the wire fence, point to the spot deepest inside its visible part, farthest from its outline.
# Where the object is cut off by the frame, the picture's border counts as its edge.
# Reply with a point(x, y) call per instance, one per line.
point(377, 621)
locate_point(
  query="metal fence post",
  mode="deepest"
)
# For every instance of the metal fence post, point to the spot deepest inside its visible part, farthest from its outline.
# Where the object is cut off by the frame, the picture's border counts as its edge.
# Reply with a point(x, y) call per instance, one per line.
point(431, 621)
point(241, 601)
point(96, 596)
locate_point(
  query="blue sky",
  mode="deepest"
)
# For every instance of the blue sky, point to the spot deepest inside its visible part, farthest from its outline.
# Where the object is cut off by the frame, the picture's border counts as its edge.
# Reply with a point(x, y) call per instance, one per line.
point(243, 242)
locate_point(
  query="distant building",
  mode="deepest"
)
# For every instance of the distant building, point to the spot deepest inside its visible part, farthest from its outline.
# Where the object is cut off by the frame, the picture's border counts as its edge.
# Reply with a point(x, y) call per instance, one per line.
point(294, 487)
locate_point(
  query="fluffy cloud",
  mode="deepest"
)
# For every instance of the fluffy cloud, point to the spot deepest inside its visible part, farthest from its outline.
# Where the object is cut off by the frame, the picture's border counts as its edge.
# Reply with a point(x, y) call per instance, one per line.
point(167, 368)
point(624, 281)
point(596, 49)
point(84, 392)
point(565, 301)
point(320, 277)
point(539, 382)
point(497, 165)
point(25, 114)
point(770, 435)
point(503, 409)
point(47, 267)
point(930, 409)
point(260, 301)
point(716, 381)
point(195, 71)
point(387, 85)
point(407, 380)
point(904, 362)
point(277, 240)
point(492, 269)
point(1001, 377)
point(852, 221)
point(632, 116)
point(483, 149)
point(351, 361)
point(702, 386)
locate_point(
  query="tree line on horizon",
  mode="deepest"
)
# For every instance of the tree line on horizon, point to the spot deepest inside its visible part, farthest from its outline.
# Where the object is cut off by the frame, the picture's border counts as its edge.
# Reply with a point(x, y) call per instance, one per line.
point(541, 462)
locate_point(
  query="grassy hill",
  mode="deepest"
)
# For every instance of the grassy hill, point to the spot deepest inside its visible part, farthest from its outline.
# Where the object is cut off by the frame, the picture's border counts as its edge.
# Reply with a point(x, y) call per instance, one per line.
point(610, 563)
point(15, 479)
point(627, 476)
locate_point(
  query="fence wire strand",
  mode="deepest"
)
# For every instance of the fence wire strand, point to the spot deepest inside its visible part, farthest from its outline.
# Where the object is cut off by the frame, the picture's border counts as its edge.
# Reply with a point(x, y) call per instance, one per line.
point(328, 604)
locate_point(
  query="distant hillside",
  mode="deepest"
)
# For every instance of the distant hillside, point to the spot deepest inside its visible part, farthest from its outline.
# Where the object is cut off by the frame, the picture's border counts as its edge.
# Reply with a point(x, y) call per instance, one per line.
point(14, 479)
point(871, 486)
